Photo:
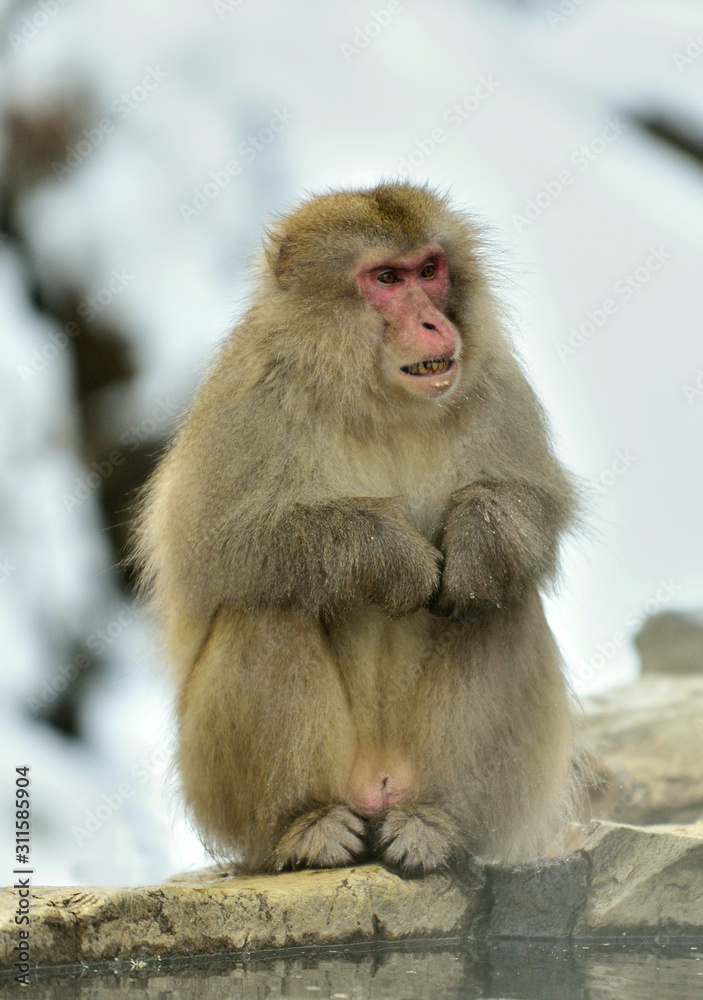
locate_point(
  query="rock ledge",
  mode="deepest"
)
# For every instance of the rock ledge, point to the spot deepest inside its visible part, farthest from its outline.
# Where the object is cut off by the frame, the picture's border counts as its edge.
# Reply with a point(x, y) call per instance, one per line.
point(641, 881)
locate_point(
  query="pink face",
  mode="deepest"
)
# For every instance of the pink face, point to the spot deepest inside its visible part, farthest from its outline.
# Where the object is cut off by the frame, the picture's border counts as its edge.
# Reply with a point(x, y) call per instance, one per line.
point(411, 293)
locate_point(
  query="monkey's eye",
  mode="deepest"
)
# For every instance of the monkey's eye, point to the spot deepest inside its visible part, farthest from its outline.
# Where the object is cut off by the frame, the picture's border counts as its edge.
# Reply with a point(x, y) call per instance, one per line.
point(428, 271)
point(387, 278)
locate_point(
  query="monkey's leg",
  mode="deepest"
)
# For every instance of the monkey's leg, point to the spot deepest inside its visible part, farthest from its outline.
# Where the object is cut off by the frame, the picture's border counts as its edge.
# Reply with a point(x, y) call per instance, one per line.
point(488, 736)
point(265, 738)
point(495, 734)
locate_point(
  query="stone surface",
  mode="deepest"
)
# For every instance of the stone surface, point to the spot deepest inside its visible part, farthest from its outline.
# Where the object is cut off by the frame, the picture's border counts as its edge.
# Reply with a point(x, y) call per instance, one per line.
point(210, 913)
point(671, 642)
point(542, 900)
point(647, 741)
point(616, 880)
point(645, 882)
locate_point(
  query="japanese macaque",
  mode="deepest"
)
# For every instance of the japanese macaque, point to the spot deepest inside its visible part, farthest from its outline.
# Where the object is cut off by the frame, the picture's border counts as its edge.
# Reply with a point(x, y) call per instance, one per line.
point(346, 544)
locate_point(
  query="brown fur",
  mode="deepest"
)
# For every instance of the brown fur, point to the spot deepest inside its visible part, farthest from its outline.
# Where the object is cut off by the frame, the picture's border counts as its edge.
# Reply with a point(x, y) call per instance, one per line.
point(349, 576)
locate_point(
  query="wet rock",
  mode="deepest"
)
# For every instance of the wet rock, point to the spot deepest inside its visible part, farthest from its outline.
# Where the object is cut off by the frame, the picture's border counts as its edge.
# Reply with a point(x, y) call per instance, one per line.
point(647, 741)
point(616, 880)
point(542, 900)
point(211, 913)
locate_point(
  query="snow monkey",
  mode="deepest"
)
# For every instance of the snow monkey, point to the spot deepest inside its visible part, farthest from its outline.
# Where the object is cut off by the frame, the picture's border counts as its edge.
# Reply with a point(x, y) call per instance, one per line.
point(346, 543)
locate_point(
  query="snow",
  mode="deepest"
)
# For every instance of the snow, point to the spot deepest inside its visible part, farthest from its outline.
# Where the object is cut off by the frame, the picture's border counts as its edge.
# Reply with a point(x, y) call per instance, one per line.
point(535, 86)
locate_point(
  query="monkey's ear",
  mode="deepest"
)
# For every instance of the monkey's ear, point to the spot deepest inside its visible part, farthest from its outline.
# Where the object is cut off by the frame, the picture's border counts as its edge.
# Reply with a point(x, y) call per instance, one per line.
point(280, 258)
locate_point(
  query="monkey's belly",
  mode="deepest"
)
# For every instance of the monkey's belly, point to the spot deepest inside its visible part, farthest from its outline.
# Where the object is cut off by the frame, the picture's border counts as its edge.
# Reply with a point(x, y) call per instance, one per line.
point(380, 662)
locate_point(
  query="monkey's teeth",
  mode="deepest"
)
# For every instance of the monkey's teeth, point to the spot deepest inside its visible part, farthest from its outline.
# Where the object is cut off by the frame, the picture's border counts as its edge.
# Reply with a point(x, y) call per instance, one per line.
point(434, 366)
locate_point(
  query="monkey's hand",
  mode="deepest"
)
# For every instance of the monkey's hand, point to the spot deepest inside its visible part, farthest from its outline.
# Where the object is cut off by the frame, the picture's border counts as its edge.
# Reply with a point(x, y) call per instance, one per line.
point(500, 539)
point(402, 570)
point(333, 556)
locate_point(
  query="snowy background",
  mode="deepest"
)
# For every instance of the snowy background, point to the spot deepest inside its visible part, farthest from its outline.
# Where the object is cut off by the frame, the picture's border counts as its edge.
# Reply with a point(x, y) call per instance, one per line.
point(141, 147)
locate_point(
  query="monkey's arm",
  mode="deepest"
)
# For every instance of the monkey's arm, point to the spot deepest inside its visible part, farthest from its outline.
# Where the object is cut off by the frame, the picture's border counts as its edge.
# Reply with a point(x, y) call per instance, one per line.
point(332, 556)
point(500, 539)
point(501, 531)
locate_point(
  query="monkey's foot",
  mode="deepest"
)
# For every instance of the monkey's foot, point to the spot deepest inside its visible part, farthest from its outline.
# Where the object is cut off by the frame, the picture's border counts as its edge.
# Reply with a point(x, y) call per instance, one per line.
point(415, 840)
point(324, 838)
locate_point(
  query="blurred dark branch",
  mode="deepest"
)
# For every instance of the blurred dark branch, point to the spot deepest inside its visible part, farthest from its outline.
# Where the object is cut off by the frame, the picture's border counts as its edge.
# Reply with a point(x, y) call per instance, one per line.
point(681, 135)
point(35, 139)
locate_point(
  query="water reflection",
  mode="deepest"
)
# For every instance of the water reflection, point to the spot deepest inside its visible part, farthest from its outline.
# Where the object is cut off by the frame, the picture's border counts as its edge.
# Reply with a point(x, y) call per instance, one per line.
point(506, 971)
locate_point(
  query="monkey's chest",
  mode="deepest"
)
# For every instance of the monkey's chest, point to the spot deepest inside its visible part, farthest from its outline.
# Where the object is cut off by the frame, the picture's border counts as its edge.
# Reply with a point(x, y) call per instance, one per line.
point(419, 480)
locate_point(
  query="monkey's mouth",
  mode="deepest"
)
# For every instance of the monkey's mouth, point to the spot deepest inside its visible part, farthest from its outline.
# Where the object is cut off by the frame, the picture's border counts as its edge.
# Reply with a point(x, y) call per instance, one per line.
point(435, 366)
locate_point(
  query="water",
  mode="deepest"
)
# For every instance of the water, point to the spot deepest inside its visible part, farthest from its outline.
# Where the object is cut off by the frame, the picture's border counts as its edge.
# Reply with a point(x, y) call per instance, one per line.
point(506, 971)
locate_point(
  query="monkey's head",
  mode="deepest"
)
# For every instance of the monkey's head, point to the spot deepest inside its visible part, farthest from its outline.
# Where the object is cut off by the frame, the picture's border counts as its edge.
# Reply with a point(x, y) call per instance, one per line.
point(384, 281)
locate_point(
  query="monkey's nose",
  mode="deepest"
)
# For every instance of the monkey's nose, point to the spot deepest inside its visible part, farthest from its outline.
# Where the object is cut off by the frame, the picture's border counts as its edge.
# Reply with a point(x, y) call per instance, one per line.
point(429, 326)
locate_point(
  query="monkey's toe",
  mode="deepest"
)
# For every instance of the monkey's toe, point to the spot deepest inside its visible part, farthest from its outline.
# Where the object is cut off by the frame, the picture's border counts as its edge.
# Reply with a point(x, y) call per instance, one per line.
point(415, 840)
point(324, 838)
